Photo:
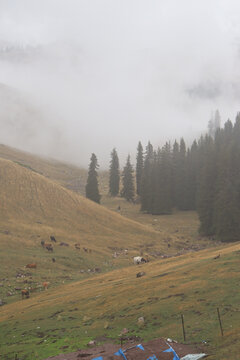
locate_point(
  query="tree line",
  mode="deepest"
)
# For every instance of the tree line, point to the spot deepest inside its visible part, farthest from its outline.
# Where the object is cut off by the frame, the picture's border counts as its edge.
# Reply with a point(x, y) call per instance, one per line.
point(204, 177)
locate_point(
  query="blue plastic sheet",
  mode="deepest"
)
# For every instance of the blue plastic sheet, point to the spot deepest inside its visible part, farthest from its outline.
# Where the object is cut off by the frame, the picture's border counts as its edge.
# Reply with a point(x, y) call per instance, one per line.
point(120, 352)
point(175, 356)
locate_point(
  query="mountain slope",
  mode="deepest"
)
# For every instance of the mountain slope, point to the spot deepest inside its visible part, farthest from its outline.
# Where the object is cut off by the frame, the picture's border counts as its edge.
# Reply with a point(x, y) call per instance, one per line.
point(69, 316)
point(33, 208)
point(68, 175)
point(30, 198)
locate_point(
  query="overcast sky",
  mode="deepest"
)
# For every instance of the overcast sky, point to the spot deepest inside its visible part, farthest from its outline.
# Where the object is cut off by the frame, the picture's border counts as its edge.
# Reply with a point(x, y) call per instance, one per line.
point(107, 73)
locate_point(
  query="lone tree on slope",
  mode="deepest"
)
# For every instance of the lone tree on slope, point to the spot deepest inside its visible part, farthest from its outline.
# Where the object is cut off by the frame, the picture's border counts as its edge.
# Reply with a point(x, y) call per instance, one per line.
point(92, 191)
point(114, 175)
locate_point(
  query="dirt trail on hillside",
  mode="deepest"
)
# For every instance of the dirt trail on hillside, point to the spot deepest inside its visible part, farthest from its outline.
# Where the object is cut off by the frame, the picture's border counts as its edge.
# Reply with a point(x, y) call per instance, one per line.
point(153, 347)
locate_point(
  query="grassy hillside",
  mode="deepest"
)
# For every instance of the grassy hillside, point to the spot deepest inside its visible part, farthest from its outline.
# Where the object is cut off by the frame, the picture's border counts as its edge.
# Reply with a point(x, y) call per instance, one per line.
point(82, 304)
point(67, 317)
point(70, 176)
point(33, 208)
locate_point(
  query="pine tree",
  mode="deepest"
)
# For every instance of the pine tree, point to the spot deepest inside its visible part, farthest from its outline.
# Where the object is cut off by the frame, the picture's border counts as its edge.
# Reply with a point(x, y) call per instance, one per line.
point(191, 176)
point(139, 167)
point(114, 174)
point(128, 191)
point(207, 188)
point(92, 191)
point(162, 181)
point(146, 193)
point(175, 157)
point(166, 173)
point(217, 121)
point(214, 123)
point(180, 177)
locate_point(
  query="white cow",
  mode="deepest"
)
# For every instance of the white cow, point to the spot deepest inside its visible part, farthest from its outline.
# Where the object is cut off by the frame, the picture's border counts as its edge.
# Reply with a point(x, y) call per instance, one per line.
point(139, 260)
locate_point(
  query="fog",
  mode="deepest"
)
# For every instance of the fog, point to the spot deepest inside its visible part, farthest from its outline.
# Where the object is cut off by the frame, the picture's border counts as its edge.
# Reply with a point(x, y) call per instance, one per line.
point(78, 77)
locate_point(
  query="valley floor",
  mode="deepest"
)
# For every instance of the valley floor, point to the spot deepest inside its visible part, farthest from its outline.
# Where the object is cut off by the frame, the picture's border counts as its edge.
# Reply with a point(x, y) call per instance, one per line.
point(95, 291)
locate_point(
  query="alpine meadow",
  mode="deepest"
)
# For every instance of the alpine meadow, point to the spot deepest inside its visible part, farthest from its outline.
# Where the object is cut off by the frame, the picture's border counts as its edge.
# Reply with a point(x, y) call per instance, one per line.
point(119, 180)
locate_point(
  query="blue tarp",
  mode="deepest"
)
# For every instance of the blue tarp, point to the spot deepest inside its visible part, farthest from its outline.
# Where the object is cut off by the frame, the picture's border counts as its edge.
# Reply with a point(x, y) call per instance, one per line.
point(121, 352)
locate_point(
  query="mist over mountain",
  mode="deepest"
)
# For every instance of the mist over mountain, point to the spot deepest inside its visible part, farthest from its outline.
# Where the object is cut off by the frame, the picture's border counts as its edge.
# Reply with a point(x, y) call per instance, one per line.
point(83, 77)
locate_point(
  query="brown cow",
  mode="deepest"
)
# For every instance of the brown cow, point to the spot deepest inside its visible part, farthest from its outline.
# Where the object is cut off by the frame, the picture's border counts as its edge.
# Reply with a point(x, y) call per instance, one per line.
point(25, 293)
point(49, 247)
point(45, 284)
point(31, 266)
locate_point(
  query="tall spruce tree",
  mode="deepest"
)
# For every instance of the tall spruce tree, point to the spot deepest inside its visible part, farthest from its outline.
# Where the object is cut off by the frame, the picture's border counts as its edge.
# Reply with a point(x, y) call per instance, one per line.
point(207, 188)
point(175, 157)
point(139, 167)
point(128, 191)
point(214, 123)
point(181, 176)
point(146, 193)
point(162, 181)
point(92, 191)
point(191, 176)
point(114, 174)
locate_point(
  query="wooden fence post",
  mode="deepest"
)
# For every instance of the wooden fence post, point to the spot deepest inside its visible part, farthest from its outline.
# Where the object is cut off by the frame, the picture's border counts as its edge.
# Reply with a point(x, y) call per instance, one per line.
point(219, 319)
point(184, 334)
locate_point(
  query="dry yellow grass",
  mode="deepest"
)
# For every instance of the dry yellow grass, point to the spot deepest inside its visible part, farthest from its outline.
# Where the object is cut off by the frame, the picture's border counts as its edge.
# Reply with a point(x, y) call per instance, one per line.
point(34, 204)
point(68, 175)
point(32, 208)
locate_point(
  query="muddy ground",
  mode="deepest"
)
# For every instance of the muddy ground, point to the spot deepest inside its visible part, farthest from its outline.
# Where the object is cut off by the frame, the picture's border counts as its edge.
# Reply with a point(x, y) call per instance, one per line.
point(153, 347)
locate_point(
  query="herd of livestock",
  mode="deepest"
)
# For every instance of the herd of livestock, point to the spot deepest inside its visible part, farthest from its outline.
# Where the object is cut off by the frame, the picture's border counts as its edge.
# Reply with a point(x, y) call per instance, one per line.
point(49, 247)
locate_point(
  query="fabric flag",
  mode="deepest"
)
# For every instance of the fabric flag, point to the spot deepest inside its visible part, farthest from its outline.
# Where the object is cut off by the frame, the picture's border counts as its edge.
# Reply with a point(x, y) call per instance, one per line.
point(175, 357)
point(120, 353)
point(140, 347)
point(98, 358)
point(152, 358)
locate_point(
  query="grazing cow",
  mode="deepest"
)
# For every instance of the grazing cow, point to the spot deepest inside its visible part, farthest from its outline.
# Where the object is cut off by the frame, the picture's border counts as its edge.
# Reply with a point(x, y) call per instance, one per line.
point(53, 260)
point(217, 257)
point(64, 244)
point(139, 260)
point(52, 238)
point(31, 266)
point(85, 249)
point(25, 293)
point(77, 246)
point(45, 284)
point(49, 247)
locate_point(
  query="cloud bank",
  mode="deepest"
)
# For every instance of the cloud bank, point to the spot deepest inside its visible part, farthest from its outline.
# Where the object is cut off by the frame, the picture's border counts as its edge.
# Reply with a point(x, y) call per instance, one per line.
point(101, 74)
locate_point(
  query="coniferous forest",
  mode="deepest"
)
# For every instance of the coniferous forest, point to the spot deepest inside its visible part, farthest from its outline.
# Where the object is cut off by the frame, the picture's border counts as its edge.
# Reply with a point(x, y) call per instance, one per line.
point(204, 177)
